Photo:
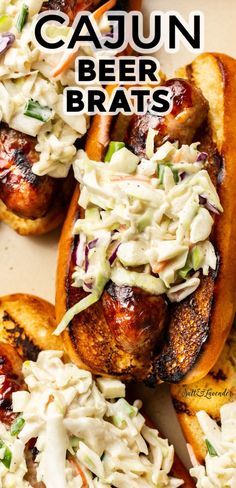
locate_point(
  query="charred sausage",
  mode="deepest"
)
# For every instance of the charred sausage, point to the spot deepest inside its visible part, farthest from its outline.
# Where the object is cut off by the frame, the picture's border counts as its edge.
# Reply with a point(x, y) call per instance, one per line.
point(135, 318)
point(24, 193)
point(189, 111)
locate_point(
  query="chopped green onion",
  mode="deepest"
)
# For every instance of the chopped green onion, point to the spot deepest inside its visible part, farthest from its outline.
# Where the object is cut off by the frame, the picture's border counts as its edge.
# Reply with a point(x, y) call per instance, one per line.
point(161, 172)
point(74, 445)
point(5, 23)
point(129, 409)
point(210, 448)
point(6, 460)
point(36, 111)
point(112, 148)
point(17, 426)
point(22, 18)
point(144, 220)
point(74, 441)
point(149, 283)
point(196, 255)
point(89, 463)
point(119, 421)
point(175, 174)
point(183, 273)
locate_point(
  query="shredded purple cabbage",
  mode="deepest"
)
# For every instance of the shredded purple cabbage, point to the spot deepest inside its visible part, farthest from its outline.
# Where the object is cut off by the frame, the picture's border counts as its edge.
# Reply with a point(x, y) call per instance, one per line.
point(92, 244)
point(212, 208)
point(203, 201)
point(88, 285)
point(6, 41)
point(182, 175)
point(111, 34)
point(114, 254)
point(202, 157)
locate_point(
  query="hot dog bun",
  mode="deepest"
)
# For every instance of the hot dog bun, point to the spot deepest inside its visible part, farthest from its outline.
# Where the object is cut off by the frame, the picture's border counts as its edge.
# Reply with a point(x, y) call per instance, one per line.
point(212, 310)
point(58, 207)
point(26, 326)
point(209, 394)
point(198, 326)
point(27, 323)
point(29, 227)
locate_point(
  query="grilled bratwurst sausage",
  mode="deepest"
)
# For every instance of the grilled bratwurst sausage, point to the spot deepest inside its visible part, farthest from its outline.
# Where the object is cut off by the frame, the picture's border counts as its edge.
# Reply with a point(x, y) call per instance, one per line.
point(25, 194)
point(137, 319)
point(131, 319)
point(189, 112)
point(197, 326)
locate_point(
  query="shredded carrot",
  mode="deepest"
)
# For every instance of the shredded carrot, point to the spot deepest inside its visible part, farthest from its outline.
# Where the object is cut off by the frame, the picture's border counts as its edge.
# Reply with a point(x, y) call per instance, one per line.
point(103, 9)
point(50, 400)
point(78, 470)
point(159, 266)
point(68, 58)
point(143, 178)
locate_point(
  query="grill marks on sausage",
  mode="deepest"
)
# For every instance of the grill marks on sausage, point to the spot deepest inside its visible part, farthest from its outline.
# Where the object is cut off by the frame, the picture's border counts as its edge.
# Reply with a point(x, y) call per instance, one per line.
point(136, 319)
point(126, 321)
point(90, 336)
point(23, 192)
point(25, 167)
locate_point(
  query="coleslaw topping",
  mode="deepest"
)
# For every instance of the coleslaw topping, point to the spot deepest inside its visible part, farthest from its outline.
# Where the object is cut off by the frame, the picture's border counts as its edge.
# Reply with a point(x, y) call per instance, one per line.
point(86, 433)
point(220, 462)
point(13, 466)
point(26, 77)
point(147, 223)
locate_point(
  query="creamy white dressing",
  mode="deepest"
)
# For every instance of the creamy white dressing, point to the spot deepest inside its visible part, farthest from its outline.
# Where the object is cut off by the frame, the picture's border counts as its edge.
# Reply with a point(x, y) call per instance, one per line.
point(25, 74)
point(87, 434)
point(13, 476)
point(219, 470)
point(147, 223)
